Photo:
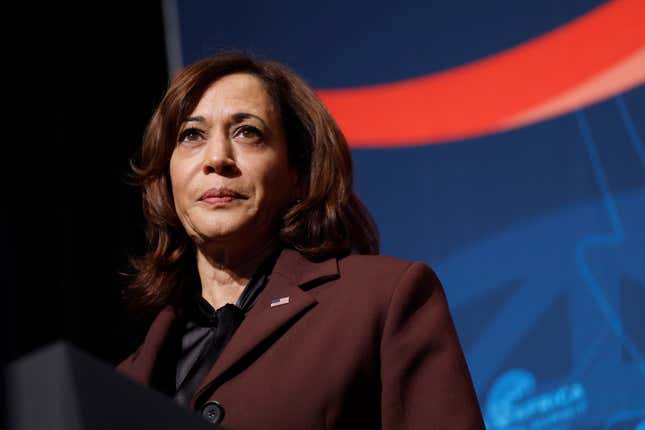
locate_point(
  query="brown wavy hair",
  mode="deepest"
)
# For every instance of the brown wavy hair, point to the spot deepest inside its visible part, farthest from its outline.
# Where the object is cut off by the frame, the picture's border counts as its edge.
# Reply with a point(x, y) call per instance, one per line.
point(329, 221)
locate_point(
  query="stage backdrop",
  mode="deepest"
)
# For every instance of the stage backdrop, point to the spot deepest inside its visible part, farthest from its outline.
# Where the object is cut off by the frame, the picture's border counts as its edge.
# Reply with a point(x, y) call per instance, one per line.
point(503, 143)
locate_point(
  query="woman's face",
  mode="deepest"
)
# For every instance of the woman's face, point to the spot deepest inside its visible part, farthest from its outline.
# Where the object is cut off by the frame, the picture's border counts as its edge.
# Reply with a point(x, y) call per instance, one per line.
point(230, 175)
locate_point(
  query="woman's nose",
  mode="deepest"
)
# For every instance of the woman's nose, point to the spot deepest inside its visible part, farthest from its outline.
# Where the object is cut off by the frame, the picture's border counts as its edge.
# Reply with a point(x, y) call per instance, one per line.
point(219, 158)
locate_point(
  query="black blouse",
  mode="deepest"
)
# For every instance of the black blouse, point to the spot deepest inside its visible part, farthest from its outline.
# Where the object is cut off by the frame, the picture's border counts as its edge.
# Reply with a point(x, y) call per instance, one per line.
point(205, 332)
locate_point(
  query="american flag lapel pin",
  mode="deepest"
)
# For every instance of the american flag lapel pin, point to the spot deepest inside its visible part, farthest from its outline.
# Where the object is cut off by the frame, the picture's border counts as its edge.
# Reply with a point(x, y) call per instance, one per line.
point(280, 301)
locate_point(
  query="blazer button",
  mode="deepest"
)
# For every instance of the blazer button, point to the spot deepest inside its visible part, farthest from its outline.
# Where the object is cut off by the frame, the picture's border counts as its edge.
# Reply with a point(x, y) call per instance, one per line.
point(213, 412)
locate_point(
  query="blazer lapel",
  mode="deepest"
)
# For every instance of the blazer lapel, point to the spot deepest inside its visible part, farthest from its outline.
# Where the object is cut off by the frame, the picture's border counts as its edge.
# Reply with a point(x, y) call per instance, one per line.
point(143, 362)
point(292, 271)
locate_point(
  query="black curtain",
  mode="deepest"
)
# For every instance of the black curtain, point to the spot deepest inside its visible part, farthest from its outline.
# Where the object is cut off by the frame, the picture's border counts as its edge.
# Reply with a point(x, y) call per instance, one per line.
point(83, 80)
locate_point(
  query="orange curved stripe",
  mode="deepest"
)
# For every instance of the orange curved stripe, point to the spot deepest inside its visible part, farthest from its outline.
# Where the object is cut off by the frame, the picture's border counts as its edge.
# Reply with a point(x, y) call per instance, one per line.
point(616, 79)
point(595, 56)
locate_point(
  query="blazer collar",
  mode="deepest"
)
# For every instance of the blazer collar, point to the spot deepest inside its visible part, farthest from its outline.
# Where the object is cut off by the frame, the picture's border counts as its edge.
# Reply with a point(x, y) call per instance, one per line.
point(292, 275)
point(303, 272)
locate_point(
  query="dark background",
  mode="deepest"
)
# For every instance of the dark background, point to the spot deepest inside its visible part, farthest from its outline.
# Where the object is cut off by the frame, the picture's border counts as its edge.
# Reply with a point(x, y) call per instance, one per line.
point(83, 81)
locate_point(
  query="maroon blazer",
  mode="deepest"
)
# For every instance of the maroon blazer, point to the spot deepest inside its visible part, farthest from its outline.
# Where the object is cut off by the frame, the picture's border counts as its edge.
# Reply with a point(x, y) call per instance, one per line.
point(364, 342)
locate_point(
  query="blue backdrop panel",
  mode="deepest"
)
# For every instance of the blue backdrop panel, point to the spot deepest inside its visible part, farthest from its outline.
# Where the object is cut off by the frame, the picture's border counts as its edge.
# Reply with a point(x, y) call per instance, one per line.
point(537, 233)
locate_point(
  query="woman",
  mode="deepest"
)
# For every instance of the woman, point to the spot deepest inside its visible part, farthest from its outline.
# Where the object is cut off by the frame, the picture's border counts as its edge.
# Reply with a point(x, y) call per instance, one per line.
point(272, 309)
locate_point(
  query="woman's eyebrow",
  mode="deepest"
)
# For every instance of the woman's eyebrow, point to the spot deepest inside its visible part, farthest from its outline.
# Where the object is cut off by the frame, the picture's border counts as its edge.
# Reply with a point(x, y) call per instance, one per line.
point(194, 119)
point(241, 116)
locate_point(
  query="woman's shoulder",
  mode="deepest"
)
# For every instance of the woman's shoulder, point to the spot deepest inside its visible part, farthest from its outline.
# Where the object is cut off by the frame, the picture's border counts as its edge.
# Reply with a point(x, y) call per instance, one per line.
point(378, 265)
point(386, 272)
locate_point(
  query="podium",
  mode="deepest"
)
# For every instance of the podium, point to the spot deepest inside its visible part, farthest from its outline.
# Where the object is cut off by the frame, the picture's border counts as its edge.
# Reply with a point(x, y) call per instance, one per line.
point(62, 388)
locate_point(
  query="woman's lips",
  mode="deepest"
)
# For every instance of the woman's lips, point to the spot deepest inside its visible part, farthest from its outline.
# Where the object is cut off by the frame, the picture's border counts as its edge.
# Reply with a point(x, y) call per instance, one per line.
point(213, 200)
point(221, 196)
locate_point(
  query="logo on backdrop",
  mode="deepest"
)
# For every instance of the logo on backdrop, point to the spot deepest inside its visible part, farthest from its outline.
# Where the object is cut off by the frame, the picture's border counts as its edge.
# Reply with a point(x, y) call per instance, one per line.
point(515, 402)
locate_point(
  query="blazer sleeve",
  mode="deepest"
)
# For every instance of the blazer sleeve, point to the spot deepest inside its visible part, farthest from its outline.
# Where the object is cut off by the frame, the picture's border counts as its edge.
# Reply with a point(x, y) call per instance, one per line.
point(425, 379)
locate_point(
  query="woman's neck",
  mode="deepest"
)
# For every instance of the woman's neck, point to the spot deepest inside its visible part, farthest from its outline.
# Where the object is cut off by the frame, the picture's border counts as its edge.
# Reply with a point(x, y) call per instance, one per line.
point(224, 273)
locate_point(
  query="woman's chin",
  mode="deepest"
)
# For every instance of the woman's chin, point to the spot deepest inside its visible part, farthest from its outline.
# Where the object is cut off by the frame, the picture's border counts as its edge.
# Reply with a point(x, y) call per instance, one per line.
point(226, 229)
point(214, 228)
point(215, 236)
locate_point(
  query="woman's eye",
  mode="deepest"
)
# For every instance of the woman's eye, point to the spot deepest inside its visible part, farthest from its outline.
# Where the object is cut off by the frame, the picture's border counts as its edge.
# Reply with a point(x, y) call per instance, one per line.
point(248, 132)
point(190, 135)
